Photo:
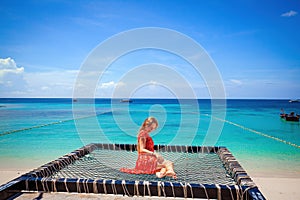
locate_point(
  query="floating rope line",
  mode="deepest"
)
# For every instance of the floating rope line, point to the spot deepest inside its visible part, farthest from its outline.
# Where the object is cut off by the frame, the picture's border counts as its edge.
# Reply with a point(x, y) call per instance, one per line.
point(256, 132)
point(33, 127)
point(50, 124)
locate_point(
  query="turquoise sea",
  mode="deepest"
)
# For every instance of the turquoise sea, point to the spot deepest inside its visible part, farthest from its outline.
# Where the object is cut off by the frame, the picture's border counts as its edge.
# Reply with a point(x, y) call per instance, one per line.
point(35, 131)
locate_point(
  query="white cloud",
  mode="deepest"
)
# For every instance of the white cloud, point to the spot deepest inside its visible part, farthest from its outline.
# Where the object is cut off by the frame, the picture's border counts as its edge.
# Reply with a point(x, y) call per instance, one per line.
point(9, 71)
point(289, 14)
point(110, 84)
point(153, 82)
point(45, 88)
point(236, 82)
point(12, 81)
point(107, 89)
point(9, 64)
point(15, 82)
point(120, 84)
point(51, 83)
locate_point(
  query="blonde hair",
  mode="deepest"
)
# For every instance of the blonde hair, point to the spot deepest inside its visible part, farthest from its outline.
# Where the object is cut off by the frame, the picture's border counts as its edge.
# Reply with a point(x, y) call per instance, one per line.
point(148, 122)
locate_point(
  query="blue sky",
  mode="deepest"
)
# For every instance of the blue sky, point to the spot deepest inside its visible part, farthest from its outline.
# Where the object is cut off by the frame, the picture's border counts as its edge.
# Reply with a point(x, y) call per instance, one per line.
point(254, 44)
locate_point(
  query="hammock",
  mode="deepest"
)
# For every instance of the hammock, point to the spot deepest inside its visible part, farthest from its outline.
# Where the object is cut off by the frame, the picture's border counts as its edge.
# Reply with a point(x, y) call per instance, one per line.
point(203, 172)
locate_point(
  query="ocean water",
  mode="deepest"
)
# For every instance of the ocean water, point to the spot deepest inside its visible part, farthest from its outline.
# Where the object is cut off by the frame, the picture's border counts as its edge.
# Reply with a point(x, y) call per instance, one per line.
point(36, 131)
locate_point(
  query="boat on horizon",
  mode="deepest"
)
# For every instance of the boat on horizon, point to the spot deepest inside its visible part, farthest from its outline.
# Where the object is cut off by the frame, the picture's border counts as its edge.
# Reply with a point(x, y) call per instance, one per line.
point(290, 117)
point(126, 101)
point(294, 100)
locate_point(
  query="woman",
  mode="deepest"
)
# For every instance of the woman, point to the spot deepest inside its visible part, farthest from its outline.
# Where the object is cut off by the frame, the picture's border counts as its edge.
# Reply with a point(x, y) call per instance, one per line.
point(148, 161)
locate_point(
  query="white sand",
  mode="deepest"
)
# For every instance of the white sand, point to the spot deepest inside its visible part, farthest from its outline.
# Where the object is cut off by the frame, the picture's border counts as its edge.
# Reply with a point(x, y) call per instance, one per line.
point(8, 175)
point(278, 188)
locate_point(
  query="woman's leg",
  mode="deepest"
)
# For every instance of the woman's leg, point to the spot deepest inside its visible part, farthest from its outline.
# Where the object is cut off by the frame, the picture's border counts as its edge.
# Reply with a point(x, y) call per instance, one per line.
point(161, 173)
point(170, 169)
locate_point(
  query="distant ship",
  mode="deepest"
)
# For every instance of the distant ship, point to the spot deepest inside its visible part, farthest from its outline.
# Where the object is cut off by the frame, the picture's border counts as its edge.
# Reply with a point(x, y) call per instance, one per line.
point(294, 100)
point(125, 100)
point(290, 118)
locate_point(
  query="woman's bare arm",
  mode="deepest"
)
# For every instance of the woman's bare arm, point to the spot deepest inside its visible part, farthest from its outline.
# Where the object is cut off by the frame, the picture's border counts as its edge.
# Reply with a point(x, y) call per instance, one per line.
point(142, 145)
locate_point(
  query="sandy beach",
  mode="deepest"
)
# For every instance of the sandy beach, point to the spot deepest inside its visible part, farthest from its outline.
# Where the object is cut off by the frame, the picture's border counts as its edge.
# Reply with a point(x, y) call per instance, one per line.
point(276, 187)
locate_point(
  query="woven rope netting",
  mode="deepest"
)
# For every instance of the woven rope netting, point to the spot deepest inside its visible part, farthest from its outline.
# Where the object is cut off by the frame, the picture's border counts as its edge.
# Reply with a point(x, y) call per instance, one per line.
point(204, 168)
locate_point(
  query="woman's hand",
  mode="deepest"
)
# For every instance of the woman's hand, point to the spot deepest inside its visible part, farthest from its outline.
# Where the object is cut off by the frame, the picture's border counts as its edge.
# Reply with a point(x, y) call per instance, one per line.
point(160, 159)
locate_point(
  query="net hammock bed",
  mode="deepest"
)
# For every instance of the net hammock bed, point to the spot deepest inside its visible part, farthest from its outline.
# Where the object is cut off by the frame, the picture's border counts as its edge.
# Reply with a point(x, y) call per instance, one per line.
point(202, 172)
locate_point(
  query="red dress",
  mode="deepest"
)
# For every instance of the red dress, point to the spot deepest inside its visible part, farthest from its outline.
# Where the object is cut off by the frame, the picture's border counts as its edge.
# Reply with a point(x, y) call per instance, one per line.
point(146, 163)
